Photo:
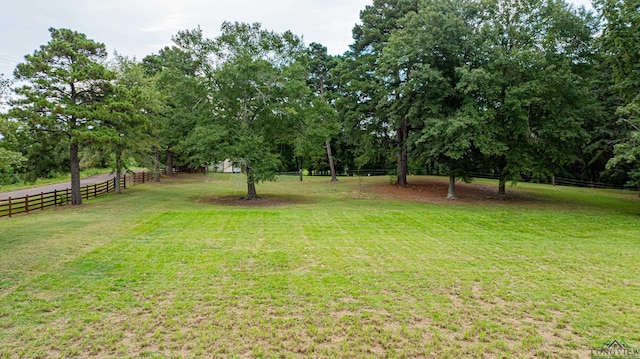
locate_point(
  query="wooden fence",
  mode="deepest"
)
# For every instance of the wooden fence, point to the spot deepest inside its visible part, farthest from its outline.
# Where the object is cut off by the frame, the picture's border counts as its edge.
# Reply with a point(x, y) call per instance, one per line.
point(141, 177)
point(26, 204)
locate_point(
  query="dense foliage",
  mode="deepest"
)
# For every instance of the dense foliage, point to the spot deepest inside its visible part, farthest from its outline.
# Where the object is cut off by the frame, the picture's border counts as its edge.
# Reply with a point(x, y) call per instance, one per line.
point(514, 88)
point(60, 104)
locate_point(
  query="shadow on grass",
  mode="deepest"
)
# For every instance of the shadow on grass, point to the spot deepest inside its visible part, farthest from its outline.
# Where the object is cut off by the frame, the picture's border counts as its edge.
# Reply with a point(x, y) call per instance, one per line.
point(269, 200)
point(484, 193)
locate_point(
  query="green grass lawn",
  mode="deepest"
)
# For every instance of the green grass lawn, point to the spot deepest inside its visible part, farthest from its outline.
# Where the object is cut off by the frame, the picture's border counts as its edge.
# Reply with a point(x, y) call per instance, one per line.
point(164, 271)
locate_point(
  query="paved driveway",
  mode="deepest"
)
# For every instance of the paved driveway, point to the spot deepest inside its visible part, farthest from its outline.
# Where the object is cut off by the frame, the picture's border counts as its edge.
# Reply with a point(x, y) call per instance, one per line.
point(56, 186)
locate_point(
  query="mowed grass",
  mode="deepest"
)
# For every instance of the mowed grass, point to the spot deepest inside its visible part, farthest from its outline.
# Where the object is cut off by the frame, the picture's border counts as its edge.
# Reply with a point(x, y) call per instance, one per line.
point(164, 271)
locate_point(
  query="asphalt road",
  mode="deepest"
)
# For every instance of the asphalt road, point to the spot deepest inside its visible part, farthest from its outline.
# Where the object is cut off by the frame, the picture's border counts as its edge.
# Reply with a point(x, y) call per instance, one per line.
point(56, 186)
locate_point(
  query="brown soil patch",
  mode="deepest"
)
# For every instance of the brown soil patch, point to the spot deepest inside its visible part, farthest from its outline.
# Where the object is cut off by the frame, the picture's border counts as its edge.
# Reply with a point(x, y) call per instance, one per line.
point(266, 201)
point(434, 190)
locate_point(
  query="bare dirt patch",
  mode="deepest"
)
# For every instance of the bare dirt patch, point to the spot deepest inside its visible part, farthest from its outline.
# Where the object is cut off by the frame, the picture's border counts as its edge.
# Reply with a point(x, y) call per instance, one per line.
point(434, 190)
point(266, 201)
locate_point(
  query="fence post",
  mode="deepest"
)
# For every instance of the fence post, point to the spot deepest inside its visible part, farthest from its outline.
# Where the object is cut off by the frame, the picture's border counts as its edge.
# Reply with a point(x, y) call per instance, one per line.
point(41, 200)
point(55, 198)
point(26, 204)
point(66, 195)
point(9, 207)
point(95, 190)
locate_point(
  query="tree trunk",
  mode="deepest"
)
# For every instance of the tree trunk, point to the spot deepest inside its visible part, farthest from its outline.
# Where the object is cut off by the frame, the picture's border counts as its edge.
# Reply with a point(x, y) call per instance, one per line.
point(502, 191)
point(451, 194)
point(332, 167)
point(328, 142)
point(251, 185)
point(502, 176)
point(156, 160)
point(169, 163)
point(402, 134)
point(76, 195)
point(118, 171)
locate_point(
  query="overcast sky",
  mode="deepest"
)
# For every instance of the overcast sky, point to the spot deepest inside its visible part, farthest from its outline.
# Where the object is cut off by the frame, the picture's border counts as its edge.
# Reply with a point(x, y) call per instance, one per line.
point(141, 27)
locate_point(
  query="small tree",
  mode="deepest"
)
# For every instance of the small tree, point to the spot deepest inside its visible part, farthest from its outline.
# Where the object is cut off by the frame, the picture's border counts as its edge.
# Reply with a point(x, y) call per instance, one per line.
point(10, 165)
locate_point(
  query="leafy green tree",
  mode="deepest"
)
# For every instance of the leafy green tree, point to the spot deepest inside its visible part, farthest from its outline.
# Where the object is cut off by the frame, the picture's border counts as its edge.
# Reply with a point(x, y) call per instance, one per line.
point(621, 50)
point(45, 155)
point(535, 91)
point(10, 165)
point(11, 161)
point(183, 76)
point(320, 121)
point(603, 129)
point(431, 70)
point(67, 83)
point(129, 113)
point(40, 154)
point(503, 79)
point(366, 142)
point(376, 121)
point(258, 96)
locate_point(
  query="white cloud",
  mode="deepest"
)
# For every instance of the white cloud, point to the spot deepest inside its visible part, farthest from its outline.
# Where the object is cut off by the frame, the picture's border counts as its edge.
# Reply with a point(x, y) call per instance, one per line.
point(141, 27)
point(172, 22)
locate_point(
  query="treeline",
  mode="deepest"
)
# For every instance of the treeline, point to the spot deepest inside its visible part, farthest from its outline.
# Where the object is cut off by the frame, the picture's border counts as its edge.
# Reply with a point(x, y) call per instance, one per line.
point(515, 88)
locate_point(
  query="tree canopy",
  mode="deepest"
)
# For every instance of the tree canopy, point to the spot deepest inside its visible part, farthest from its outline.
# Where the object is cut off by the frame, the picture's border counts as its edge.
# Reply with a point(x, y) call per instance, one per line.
point(67, 82)
point(257, 94)
point(513, 88)
point(621, 50)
